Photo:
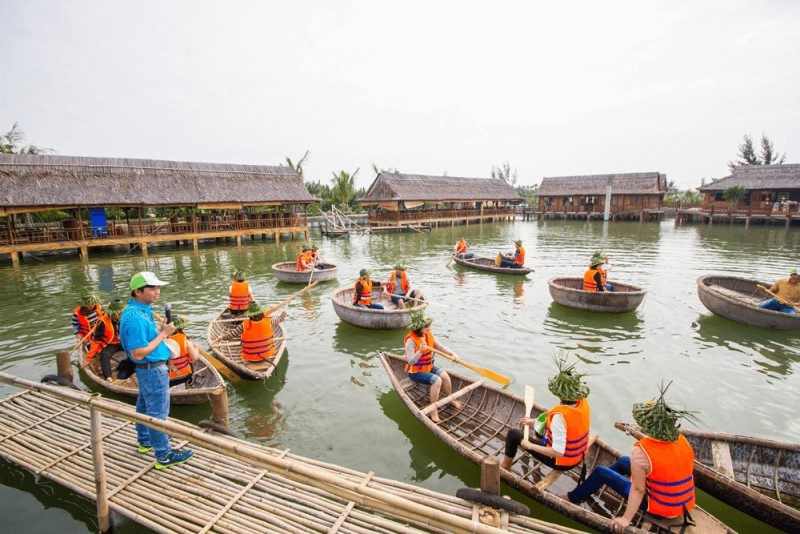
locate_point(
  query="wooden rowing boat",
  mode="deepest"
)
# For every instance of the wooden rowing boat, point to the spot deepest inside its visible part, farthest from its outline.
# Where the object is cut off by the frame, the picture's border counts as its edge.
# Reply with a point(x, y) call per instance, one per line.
point(569, 292)
point(737, 299)
point(286, 272)
point(479, 429)
point(487, 264)
point(389, 318)
point(759, 476)
point(229, 351)
point(205, 379)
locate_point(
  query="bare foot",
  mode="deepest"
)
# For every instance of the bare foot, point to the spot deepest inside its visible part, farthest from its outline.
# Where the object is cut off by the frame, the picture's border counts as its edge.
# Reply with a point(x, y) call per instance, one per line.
point(435, 417)
point(457, 404)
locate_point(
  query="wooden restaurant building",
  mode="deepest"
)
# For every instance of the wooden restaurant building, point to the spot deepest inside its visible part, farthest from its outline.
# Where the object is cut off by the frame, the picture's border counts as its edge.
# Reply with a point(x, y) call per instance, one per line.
point(106, 201)
point(628, 196)
point(400, 201)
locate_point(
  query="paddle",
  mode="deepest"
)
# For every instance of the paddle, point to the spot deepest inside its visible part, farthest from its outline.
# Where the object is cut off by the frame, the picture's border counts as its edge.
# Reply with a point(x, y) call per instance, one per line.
point(528, 407)
point(488, 373)
point(419, 300)
point(781, 299)
point(452, 257)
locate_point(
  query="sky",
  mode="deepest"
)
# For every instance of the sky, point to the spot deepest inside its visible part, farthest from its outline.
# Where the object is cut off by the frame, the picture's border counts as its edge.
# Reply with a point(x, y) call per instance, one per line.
point(434, 87)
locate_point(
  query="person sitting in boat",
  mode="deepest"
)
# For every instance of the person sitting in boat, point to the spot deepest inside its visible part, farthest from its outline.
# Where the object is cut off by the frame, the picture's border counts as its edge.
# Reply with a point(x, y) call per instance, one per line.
point(561, 435)
point(240, 294)
point(186, 353)
point(399, 288)
point(517, 260)
point(603, 267)
point(594, 279)
point(85, 315)
point(315, 257)
point(789, 291)
point(305, 262)
point(258, 334)
point(419, 361)
point(660, 468)
point(362, 294)
point(460, 249)
point(105, 339)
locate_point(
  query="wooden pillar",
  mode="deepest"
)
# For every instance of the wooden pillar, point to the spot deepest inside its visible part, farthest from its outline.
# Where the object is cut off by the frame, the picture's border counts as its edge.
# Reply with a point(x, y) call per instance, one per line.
point(747, 223)
point(84, 254)
point(194, 245)
point(103, 516)
point(277, 237)
point(490, 475)
point(238, 240)
point(15, 258)
point(143, 245)
point(64, 365)
point(219, 406)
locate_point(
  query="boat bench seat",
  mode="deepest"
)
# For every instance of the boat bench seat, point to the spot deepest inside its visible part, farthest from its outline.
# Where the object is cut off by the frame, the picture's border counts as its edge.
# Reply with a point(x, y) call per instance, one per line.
point(663, 524)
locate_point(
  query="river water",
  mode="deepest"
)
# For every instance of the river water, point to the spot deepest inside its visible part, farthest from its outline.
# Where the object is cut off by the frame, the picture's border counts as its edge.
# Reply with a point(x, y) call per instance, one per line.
point(331, 399)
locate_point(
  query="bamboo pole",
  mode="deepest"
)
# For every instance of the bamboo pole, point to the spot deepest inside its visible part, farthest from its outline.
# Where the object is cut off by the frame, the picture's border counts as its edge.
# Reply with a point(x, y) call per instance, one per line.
point(103, 518)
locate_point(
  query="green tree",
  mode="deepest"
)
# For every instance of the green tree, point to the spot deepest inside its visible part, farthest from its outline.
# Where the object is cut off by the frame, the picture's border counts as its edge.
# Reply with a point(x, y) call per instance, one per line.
point(298, 168)
point(504, 172)
point(11, 143)
point(389, 170)
point(343, 189)
point(748, 156)
point(734, 194)
point(530, 193)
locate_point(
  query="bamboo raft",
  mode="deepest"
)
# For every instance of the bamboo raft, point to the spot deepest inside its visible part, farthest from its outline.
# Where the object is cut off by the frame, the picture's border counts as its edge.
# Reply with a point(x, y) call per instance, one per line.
point(759, 476)
point(205, 380)
point(737, 299)
point(229, 352)
point(286, 272)
point(479, 430)
point(489, 265)
point(389, 318)
point(88, 444)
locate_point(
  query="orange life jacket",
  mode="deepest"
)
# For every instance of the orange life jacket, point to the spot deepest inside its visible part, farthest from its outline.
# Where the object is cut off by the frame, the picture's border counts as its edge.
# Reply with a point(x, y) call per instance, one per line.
point(602, 275)
point(519, 256)
point(183, 363)
point(461, 247)
point(99, 343)
point(670, 482)
point(115, 339)
point(576, 419)
point(258, 340)
point(240, 295)
point(366, 292)
point(393, 282)
point(425, 362)
point(83, 321)
point(306, 258)
point(588, 280)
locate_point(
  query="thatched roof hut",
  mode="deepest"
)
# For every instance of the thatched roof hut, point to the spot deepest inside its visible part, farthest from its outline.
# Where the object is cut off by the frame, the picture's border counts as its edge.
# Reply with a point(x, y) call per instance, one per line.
point(758, 178)
point(635, 183)
point(33, 183)
point(417, 188)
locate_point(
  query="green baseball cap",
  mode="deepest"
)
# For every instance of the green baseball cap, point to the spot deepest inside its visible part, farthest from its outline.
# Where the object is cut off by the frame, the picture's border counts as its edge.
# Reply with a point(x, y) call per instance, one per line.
point(145, 278)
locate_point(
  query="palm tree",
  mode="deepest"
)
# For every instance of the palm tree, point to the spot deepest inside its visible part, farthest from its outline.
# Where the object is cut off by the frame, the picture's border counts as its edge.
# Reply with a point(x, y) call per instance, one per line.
point(11, 140)
point(343, 190)
point(299, 167)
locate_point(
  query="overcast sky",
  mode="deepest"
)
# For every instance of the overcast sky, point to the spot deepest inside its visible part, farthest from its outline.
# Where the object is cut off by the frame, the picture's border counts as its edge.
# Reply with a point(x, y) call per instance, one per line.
point(555, 88)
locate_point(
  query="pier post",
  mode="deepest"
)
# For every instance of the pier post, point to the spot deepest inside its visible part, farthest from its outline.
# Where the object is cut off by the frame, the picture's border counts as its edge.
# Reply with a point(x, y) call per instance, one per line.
point(238, 240)
point(490, 475)
point(103, 517)
point(15, 258)
point(143, 246)
point(219, 406)
point(64, 365)
point(194, 245)
point(84, 254)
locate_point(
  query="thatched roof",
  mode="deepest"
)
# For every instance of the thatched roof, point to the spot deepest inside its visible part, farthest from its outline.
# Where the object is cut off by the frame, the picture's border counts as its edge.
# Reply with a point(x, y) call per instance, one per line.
point(753, 177)
point(390, 187)
point(41, 181)
point(634, 183)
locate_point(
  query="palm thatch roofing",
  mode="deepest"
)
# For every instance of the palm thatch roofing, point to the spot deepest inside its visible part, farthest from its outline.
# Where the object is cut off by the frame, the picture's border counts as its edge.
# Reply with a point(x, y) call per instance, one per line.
point(44, 181)
point(634, 183)
point(753, 177)
point(391, 187)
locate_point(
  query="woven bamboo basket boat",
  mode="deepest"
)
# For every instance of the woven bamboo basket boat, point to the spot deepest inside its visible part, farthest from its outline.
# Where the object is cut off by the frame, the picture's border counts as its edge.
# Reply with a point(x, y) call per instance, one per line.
point(569, 292)
point(286, 272)
point(479, 429)
point(205, 379)
point(760, 477)
point(737, 299)
point(488, 264)
point(229, 351)
point(391, 317)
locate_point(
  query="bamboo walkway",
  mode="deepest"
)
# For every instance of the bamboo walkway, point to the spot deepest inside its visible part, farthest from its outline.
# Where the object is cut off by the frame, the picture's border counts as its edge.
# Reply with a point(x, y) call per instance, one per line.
point(87, 444)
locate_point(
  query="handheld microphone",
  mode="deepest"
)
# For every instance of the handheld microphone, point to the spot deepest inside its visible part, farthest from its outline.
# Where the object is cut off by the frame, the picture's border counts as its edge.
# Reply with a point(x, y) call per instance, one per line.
point(168, 312)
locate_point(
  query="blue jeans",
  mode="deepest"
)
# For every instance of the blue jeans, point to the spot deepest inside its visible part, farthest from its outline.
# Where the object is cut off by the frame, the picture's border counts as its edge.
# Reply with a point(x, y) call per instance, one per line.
point(466, 256)
point(776, 305)
point(609, 287)
point(373, 306)
point(153, 400)
point(509, 263)
point(616, 477)
point(428, 379)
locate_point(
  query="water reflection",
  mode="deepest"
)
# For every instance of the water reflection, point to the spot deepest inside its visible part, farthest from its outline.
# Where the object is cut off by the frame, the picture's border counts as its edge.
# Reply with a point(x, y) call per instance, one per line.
point(363, 344)
point(261, 415)
point(592, 331)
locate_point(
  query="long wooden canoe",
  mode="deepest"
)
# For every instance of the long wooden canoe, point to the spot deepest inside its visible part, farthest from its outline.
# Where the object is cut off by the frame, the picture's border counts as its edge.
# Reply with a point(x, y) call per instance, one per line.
point(759, 476)
point(229, 352)
point(737, 299)
point(286, 272)
point(488, 264)
point(205, 379)
point(479, 429)
point(389, 318)
point(569, 292)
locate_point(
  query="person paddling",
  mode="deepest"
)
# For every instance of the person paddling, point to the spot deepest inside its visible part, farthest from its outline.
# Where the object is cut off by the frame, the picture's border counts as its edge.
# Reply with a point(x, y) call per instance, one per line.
point(362, 291)
point(603, 267)
point(789, 290)
point(316, 258)
point(399, 288)
point(594, 279)
point(305, 262)
point(460, 249)
point(105, 339)
point(257, 333)
point(85, 315)
point(517, 261)
point(240, 294)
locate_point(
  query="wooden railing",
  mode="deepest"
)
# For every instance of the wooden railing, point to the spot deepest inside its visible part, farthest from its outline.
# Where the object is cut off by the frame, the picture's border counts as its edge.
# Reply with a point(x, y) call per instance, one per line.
point(415, 215)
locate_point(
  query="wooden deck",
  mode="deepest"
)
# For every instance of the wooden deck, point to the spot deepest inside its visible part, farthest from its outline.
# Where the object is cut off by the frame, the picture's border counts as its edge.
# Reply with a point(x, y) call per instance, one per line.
point(87, 444)
point(739, 216)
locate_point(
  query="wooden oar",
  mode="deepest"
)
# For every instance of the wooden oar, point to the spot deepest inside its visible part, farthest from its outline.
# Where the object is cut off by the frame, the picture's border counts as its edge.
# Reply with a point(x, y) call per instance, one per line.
point(488, 373)
point(780, 299)
point(234, 343)
point(452, 257)
point(418, 300)
point(528, 407)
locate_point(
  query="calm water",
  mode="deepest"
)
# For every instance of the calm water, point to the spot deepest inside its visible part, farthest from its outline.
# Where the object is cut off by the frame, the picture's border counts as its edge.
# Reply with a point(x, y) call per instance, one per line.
point(332, 400)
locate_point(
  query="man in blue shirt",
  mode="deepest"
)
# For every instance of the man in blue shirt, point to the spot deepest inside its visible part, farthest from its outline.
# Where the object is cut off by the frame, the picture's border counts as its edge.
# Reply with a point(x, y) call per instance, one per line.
point(145, 346)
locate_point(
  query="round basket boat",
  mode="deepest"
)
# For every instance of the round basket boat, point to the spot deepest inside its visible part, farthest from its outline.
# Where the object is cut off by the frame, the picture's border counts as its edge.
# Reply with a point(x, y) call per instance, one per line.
point(286, 272)
point(737, 299)
point(569, 292)
point(389, 318)
point(488, 264)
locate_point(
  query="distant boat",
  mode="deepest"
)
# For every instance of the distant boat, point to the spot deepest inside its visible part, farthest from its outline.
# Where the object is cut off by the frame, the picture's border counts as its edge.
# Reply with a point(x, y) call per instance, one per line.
point(488, 264)
point(389, 318)
point(287, 272)
point(569, 292)
point(737, 299)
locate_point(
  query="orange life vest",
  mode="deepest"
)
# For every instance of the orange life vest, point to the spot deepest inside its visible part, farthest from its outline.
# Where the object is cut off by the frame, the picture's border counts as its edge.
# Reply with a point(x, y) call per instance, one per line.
point(393, 282)
point(670, 482)
point(519, 256)
point(240, 295)
point(306, 258)
point(258, 340)
point(366, 292)
point(576, 419)
point(83, 321)
point(183, 363)
point(461, 247)
point(425, 362)
point(588, 280)
point(602, 275)
point(99, 343)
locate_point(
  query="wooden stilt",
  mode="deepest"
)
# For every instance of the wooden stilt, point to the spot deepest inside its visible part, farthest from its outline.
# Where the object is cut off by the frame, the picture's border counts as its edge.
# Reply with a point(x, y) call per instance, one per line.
point(143, 246)
point(219, 406)
point(84, 254)
point(64, 365)
point(103, 517)
point(194, 245)
point(277, 237)
point(490, 475)
point(238, 240)
point(15, 258)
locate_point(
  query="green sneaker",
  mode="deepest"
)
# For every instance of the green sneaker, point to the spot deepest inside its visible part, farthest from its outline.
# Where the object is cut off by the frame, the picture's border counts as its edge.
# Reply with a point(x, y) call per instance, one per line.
point(174, 458)
point(144, 449)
